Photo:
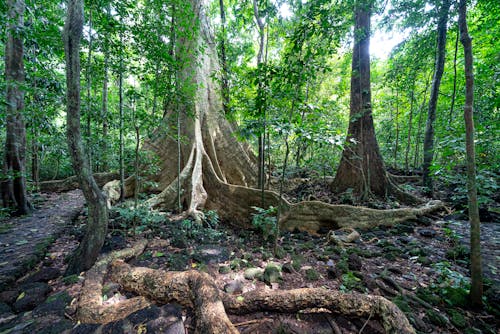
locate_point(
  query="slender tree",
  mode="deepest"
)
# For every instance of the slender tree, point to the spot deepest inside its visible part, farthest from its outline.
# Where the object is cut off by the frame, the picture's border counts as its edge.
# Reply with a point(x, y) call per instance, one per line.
point(476, 291)
point(14, 193)
point(88, 250)
point(436, 82)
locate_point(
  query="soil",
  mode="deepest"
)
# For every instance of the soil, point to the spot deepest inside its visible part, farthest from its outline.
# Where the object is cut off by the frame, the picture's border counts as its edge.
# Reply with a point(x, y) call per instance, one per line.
point(420, 265)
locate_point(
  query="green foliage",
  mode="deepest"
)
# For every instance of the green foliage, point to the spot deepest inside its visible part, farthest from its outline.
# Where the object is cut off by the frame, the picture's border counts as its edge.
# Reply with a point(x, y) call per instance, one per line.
point(450, 285)
point(351, 282)
point(264, 220)
point(138, 220)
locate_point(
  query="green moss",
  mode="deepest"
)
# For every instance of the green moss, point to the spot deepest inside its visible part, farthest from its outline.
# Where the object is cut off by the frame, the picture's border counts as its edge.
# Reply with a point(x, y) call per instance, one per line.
point(402, 303)
point(457, 318)
point(436, 318)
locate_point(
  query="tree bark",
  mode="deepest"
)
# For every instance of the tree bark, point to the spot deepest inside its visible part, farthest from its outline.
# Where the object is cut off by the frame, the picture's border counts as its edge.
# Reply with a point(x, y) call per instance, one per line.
point(223, 58)
point(476, 291)
point(436, 82)
point(86, 253)
point(14, 193)
point(105, 124)
point(197, 290)
point(361, 167)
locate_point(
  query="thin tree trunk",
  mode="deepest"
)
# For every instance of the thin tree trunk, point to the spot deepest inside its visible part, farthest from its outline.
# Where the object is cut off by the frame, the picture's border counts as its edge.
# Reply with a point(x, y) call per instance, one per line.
point(223, 58)
point(454, 94)
point(89, 86)
point(105, 125)
point(88, 250)
point(14, 193)
point(410, 126)
point(261, 109)
point(419, 126)
point(476, 291)
point(436, 82)
point(120, 94)
point(396, 145)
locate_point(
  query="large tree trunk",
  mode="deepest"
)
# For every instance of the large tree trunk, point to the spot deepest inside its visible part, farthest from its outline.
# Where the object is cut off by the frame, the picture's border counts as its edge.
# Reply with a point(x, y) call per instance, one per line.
point(88, 250)
point(436, 82)
point(476, 291)
point(14, 194)
point(217, 172)
point(361, 166)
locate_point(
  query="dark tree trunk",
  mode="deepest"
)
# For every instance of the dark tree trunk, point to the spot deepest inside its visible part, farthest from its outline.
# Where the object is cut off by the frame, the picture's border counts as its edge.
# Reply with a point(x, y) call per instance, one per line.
point(14, 194)
point(88, 250)
point(361, 167)
point(476, 291)
point(436, 82)
point(105, 125)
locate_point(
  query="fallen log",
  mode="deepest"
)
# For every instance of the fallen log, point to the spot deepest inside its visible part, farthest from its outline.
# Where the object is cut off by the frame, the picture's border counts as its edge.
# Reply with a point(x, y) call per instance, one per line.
point(71, 182)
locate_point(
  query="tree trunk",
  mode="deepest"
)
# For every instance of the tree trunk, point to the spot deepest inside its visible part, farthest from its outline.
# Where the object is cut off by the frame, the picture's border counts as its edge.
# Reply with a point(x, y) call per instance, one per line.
point(217, 172)
point(105, 124)
point(89, 86)
point(454, 93)
point(88, 250)
point(120, 107)
point(410, 126)
point(223, 58)
point(476, 291)
point(14, 193)
point(436, 82)
point(361, 167)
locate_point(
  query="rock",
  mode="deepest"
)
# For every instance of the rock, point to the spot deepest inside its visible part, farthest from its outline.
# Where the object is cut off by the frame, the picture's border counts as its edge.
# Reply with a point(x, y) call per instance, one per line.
point(114, 242)
point(54, 305)
point(333, 273)
point(32, 295)
point(354, 262)
point(253, 273)
point(211, 254)
point(272, 274)
point(54, 327)
point(45, 274)
point(169, 321)
point(85, 329)
point(234, 287)
point(428, 233)
point(9, 296)
point(4, 308)
point(404, 228)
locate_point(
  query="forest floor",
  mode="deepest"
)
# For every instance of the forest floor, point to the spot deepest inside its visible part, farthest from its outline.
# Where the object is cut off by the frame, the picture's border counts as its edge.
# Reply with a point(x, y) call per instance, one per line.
point(420, 265)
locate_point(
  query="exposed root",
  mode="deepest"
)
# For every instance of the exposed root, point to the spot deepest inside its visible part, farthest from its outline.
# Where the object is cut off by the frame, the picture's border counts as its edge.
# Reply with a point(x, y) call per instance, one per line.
point(197, 290)
point(71, 182)
point(90, 304)
point(342, 240)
